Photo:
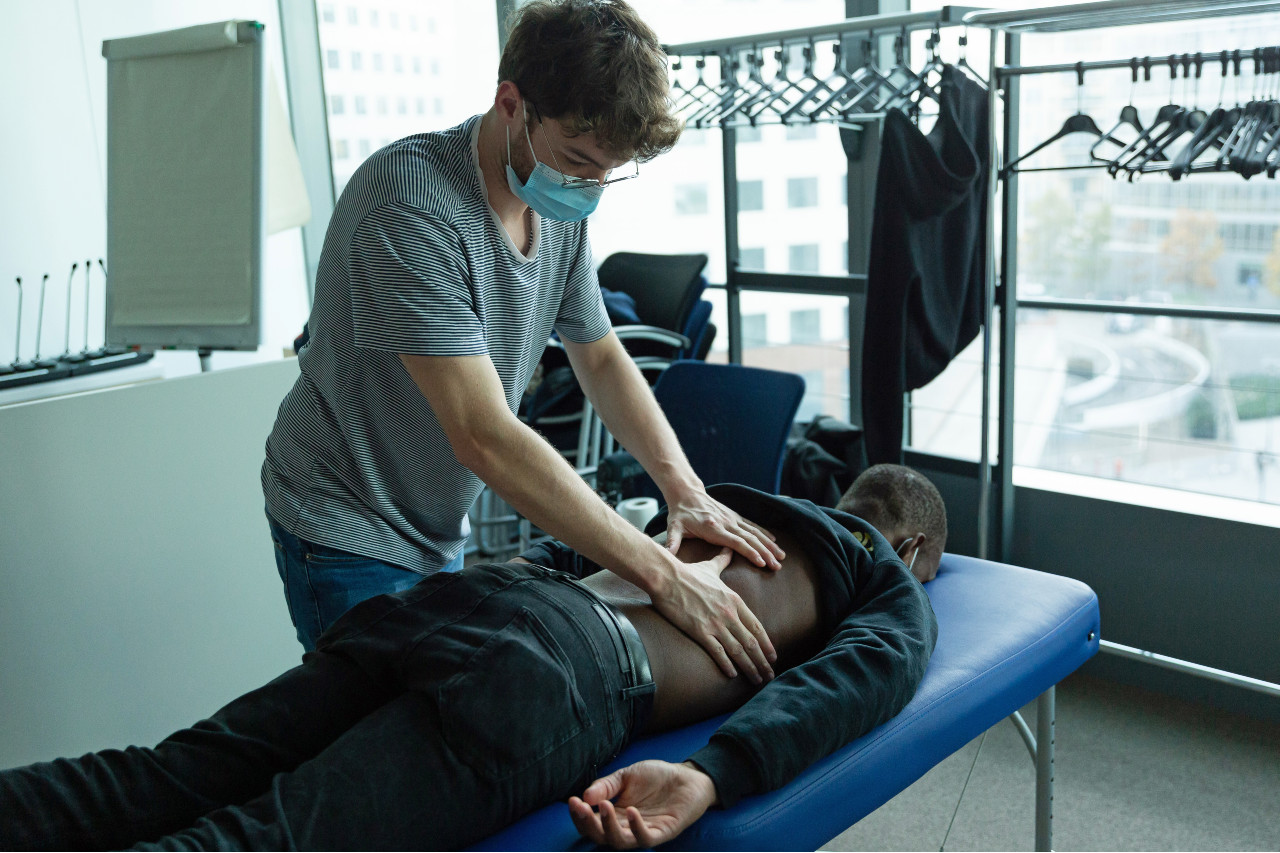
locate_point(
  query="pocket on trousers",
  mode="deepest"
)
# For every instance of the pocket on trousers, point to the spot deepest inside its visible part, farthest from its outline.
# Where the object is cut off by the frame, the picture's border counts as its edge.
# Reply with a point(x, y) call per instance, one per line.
point(515, 702)
point(324, 556)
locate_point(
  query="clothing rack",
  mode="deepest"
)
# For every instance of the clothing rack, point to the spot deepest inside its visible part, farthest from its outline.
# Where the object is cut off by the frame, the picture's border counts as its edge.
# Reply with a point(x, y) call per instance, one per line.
point(861, 172)
point(847, 95)
point(1002, 274)
point(1001, 285)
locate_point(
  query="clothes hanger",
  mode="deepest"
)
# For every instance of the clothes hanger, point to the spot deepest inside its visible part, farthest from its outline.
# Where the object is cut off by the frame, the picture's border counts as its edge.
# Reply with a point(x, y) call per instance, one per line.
point(1270, 155)
point(1078, 123)
point(1263, 139)
point(914, 86)
point(1255, 120)
point(837, 78)
point(693, 94)
point(1187, 121)
point(1166, 115)
point(783, 58)
point(754, 89)
point(723, 92)
point(863, 78)
point(1212, 133)
point(963, 63)
point(1238, 127)
point(889, 89)
point(1128, 115)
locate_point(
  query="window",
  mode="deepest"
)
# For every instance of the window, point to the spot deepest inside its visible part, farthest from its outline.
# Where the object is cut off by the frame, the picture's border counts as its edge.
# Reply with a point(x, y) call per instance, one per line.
point(431, 24)
point(804, 257)
point(381, 46)
point(751, 259)
point(802, 131)
point(750, 134)
point(331, 59)
point(806, 326)
point(691, 199)
point(754, 329)
point(811, 405)
point(435, 68)
point(340, 151)
point(750, 195)
point(327, 15)
point(802, 192)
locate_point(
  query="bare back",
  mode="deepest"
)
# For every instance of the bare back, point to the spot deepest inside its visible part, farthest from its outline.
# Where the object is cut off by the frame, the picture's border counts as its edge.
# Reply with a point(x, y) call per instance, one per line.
point(689, 684)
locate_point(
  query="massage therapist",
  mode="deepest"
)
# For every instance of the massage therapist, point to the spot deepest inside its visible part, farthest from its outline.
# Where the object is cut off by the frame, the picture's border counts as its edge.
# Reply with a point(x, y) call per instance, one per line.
point(450, 258)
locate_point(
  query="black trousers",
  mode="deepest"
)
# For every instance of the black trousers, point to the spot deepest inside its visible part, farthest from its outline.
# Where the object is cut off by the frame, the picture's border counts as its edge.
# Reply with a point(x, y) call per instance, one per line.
point(427, 719)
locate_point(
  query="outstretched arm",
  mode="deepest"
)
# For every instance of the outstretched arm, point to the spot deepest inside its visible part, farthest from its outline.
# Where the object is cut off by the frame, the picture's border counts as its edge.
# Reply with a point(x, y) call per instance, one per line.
point(643, 805)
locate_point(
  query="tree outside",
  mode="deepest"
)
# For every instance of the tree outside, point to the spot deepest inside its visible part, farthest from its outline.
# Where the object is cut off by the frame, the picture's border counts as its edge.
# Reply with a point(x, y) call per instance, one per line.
point(1190, 249)
point(1272, 271)
point(1045, 242)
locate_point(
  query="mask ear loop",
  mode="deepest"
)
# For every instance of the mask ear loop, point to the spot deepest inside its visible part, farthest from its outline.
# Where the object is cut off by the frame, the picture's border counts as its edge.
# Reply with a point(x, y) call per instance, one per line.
point(914, 554)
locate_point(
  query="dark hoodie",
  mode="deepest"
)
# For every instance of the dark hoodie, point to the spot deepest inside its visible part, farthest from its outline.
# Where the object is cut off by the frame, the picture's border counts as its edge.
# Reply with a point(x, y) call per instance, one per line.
point(880, 631)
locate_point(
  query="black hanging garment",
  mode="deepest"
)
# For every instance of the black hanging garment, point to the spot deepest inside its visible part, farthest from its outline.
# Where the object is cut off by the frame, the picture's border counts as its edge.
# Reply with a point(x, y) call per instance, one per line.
point(925, 281)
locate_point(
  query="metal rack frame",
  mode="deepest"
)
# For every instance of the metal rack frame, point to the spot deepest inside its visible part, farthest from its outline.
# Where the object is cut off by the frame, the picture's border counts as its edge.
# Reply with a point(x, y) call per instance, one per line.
point(1002, 275)
point(1002, 281)
point(861, 180)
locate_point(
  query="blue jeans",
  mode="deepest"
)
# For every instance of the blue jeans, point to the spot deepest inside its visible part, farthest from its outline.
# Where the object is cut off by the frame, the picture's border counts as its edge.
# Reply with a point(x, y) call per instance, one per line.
point(322, 583)
point(378, 741)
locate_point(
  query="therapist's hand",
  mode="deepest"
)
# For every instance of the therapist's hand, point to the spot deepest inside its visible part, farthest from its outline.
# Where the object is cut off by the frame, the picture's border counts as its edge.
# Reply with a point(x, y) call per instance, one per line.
point(643, 805)
point(697, 601)
point(700, 516)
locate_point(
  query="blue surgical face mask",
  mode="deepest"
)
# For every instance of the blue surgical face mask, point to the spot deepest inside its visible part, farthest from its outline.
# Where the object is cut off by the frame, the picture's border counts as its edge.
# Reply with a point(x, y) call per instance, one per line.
point(545, 191)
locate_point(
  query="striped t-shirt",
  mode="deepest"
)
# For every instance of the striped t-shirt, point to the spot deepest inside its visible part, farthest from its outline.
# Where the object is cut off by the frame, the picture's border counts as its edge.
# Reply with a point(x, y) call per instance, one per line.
point(415, 262)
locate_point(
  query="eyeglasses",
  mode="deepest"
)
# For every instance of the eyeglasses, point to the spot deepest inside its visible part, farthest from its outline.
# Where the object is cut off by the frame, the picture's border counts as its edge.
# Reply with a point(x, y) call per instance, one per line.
point(581, 183)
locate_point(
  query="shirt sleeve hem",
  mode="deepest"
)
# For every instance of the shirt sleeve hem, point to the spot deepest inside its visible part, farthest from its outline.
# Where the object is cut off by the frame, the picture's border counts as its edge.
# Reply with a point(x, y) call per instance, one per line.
point(731, 770)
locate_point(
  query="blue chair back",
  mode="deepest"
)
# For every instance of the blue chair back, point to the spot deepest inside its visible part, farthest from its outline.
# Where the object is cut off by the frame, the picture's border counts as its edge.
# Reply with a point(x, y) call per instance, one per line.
point(732, 421)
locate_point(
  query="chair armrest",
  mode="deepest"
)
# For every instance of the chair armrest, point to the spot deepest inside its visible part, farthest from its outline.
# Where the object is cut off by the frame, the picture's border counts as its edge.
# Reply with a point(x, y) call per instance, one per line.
point(652, 333)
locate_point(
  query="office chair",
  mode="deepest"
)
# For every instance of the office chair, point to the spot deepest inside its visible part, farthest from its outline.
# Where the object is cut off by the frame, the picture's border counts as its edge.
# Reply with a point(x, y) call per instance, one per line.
point(732, 422)
point(674, 324)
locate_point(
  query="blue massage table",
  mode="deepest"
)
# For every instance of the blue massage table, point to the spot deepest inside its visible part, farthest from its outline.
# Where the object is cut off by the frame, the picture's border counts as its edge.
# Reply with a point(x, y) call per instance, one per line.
point(1005, 636)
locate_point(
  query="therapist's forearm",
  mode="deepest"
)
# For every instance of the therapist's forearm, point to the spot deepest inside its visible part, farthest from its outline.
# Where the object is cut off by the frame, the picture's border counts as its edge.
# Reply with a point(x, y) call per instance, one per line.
point(627, 406)
point(532, 477)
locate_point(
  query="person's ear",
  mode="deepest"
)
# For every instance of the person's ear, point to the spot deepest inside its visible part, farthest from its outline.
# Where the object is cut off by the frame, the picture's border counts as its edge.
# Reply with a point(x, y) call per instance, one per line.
point(909, 552)
point(509, 103)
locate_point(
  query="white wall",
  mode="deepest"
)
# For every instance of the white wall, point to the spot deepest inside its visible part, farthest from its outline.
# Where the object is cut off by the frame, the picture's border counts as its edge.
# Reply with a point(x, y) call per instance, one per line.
point(53, 172)
point(139, 586)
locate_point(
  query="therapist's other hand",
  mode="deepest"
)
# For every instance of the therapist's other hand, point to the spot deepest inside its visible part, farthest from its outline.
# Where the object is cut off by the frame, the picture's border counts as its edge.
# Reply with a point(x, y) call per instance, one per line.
point(698, 602)
point(700, 516)
point(642, 805)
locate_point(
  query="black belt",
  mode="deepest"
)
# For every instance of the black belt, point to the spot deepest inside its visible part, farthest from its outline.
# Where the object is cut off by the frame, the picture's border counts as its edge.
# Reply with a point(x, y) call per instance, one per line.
point(637, 674)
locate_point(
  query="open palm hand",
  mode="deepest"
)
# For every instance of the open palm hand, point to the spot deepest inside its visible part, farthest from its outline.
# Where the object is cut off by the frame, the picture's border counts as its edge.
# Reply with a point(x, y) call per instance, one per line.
point(643, 804)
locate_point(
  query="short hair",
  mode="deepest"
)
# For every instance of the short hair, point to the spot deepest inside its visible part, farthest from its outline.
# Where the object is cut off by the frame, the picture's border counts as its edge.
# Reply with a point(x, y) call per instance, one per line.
point(595, 67)
point(895, 498)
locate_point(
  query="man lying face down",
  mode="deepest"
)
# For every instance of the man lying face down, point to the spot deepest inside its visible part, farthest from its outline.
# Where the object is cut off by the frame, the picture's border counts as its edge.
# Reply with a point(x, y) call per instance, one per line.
point(433, 717)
